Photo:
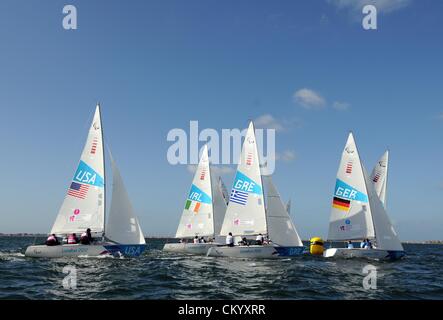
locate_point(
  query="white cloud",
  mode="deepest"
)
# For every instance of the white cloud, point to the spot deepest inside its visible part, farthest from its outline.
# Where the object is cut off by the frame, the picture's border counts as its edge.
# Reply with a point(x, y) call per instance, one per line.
point(384, 6)
point(341, 105)
point(309, 99)
point(191, 168)
point(267, 121)
point(286, 156)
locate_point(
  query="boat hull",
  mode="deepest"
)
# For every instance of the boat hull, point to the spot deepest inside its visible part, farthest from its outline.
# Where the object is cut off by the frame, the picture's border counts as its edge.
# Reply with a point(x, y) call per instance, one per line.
point(76, 250)
point(263, 252)
point(372, 254)
point(190, 248)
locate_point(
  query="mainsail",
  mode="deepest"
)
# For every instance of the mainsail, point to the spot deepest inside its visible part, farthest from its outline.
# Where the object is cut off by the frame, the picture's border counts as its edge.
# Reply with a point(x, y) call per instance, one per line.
point(351, 216)
point(122, 224)
point(197, 217)
point(385, 234)
point(223, 190)
point(245, 214)
point(379, 177)
point(218, 202)
point(281, 230)
point(84, 204)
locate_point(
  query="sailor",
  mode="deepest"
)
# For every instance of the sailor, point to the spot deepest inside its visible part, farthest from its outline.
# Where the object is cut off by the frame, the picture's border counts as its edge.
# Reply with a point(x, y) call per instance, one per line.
point(350, 245)
point(88, 232)
point(244, 242)
point(202, 240)
point(196, 239)
point(86, 237)
point(72, 239)
point(363, 244)
point(260, 239)
point(230, 240)
point(52, 240)
point(369, 244)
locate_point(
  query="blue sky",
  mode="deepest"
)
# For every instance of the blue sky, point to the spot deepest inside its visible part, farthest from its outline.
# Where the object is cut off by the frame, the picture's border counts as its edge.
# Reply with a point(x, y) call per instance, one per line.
point(305, 67)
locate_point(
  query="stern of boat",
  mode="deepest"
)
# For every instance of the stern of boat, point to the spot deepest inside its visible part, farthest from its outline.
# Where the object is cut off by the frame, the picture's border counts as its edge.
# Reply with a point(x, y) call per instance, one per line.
point(126, 250)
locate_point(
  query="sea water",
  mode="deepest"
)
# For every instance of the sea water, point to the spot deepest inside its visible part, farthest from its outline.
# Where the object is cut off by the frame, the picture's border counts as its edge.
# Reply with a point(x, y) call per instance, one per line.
point(160, 275)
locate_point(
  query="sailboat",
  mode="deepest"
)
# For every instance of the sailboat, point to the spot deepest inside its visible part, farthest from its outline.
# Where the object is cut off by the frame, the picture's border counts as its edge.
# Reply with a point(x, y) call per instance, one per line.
point(203, 214)
point(247, 216)
point(84, 207)
point(379, 177)
point(357, 212)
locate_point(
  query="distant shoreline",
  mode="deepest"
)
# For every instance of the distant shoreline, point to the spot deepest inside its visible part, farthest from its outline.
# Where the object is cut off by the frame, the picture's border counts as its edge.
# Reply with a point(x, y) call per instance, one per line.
point(41, 235)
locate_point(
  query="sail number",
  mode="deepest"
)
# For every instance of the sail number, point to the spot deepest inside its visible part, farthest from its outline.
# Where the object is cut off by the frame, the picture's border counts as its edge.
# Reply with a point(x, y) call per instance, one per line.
point(195, 196)
point(244, 185)
point(346, 193)
point(86, 177)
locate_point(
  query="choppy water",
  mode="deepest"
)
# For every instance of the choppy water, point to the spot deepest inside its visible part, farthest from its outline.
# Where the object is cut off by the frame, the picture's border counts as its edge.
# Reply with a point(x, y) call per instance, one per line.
point(159, 275)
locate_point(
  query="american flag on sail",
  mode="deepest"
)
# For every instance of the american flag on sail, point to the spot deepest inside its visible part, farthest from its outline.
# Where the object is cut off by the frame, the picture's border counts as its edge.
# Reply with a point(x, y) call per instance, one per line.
point(349, 167)
point(94, 146)
point(249, 159)
point(239, 197)
point(78, 190)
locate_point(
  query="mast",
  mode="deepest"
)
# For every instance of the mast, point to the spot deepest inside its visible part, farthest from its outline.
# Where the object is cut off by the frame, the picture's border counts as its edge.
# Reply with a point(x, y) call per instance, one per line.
point(104, 171)
point(212, 197)
point(266, 206)
point(261, 181)
point(366, 186)
point(369, 199)
point(386, 178)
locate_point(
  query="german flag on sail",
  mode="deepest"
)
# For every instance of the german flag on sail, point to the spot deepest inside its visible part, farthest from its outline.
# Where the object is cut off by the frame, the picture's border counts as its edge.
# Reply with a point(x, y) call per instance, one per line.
point(341, 204)
point(192, 205)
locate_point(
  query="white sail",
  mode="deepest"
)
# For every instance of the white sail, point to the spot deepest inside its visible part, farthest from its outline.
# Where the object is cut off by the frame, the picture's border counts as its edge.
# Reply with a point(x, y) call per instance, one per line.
point(281, 230)
point(84, 204)
point(351, 213)
point(224, 190)
point(379, 177)
point(219, 203)
point(385, 234)
point(122, 224)
point(245, 214)
point(197, 217)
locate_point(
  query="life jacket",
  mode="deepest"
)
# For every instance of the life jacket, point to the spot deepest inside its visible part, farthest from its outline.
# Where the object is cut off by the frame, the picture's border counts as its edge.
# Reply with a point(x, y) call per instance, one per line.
point(71, 239)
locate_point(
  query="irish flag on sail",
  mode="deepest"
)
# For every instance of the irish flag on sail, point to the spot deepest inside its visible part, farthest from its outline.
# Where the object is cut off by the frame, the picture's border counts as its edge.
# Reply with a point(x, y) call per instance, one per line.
point(197, 216)
point(196, 198)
